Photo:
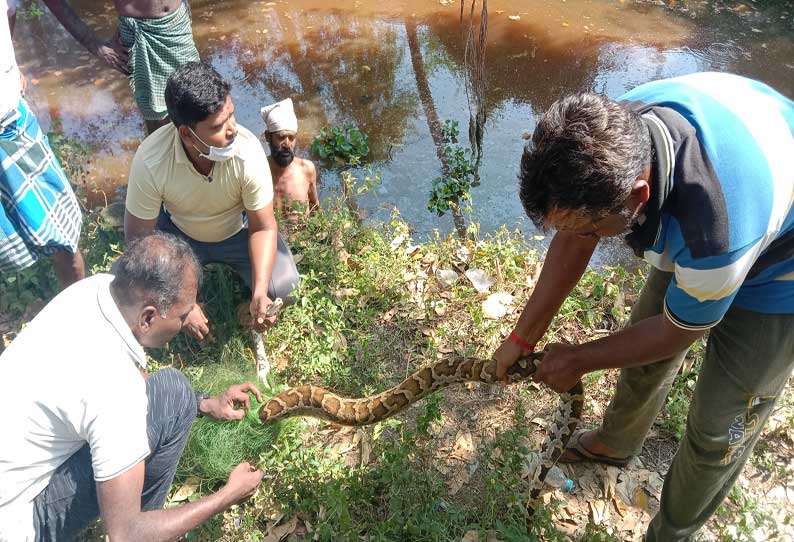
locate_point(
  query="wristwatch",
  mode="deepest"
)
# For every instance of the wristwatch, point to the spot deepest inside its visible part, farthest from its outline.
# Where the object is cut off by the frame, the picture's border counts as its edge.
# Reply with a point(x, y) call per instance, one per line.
point(200, 396)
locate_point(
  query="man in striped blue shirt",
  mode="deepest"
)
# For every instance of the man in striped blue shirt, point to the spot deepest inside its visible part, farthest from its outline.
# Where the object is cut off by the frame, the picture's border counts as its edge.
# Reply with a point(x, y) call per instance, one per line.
point(698, 171)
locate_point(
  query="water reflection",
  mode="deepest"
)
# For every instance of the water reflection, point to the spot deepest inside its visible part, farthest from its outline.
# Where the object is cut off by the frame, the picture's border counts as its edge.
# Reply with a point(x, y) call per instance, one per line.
point(356, 61)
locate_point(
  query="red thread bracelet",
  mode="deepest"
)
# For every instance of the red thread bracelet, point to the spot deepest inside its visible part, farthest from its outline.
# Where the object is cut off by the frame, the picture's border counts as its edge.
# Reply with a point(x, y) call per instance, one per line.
point(521, 342)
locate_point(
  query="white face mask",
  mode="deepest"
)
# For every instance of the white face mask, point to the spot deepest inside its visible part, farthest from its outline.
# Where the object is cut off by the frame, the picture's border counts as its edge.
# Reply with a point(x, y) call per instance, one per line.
point(216, 154)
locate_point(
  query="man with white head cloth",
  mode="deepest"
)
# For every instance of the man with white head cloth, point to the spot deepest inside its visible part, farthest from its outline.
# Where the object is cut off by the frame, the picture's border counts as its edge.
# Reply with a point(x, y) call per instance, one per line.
point(294, 179)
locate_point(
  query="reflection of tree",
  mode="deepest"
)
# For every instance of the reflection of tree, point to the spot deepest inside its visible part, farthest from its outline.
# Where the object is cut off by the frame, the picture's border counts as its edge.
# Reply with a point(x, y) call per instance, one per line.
point(526, 63)
point(429, 106)
point(476, 78)
point(348, 67)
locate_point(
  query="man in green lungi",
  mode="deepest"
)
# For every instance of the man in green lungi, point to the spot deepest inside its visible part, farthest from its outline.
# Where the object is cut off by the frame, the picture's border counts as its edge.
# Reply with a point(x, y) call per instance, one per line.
point(154, 39)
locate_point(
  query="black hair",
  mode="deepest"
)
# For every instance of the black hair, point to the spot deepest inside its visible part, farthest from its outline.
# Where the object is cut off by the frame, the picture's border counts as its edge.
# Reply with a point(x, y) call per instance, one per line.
point(585, 155)
point(151, 271)
point(194, 92)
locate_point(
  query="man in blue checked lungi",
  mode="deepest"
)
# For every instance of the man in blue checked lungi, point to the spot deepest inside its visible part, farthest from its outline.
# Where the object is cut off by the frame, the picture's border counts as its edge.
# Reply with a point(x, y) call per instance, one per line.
point(39, 215)
point(155, 38)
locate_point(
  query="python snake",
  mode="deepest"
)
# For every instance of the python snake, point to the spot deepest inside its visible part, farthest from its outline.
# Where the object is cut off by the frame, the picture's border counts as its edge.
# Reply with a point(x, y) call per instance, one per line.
point(319, 403)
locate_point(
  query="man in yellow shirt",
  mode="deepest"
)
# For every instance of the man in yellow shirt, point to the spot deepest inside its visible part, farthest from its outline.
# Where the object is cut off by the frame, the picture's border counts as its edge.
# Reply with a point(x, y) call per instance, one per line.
point(201, 178)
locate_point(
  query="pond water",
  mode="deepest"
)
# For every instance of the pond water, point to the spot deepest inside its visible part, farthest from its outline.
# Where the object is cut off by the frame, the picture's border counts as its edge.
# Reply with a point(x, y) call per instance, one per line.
point(388, 66)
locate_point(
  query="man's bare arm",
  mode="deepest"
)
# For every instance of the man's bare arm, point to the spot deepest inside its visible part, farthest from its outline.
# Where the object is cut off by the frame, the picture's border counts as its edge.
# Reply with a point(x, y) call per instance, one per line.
point(566, 261)
point(135, 227)
point(262, 245)
point(111, 52)
point(314, 198)
point(647, 341)
point(120, 506)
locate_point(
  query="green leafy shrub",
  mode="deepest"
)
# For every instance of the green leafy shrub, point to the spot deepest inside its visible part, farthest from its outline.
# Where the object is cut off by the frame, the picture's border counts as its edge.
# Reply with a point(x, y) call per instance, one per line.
point(458, 177)
point(342, 144)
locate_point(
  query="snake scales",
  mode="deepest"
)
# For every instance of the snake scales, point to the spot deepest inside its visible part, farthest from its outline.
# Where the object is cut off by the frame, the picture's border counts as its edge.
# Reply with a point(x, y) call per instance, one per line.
point(319, 403)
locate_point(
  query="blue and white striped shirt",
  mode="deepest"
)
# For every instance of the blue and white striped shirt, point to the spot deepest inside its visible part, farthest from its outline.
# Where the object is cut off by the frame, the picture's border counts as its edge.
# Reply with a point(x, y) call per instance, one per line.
point(721, 216)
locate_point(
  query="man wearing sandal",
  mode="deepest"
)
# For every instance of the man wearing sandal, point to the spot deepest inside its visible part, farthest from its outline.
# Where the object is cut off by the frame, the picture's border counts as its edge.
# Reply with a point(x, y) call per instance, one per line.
point(698, 171)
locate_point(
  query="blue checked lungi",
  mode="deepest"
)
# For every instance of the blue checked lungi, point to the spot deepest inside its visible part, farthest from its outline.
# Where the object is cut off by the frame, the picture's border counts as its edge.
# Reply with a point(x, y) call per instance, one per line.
point(39, 214)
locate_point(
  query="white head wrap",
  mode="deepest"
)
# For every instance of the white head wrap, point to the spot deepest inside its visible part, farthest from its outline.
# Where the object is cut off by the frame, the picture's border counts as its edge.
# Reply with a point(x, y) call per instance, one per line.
point(280, 116)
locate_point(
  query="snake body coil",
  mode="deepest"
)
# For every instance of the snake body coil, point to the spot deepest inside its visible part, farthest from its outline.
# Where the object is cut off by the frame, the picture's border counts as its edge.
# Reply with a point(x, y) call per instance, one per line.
point(319, 403)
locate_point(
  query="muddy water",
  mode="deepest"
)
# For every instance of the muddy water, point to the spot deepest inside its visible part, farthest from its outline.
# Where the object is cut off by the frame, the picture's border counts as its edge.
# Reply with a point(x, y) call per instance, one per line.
point(365, 62)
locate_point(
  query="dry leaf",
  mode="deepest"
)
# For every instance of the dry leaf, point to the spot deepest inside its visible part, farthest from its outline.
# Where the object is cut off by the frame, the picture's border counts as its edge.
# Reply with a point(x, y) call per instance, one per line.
point(389, 314)
point(344, 292)
point(481, 282)
point(624, 489)
point(366, 450)
point(412, 250)
point(597, 511)
point(640, 499)
point(470, 536)
point(458, 481)
point(397, 241)
point(282, 531)
point(464, 447)
point(187, 489)
point(610, 481)
point(655, 483)
point(446, 277)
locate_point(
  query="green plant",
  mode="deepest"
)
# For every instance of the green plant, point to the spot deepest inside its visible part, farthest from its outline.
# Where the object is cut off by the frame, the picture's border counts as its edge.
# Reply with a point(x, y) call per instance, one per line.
point(457, 177)
point(71, 153)
point(677, 405)
point(739, 519)
point(342, 144)
point(432, 413)
point(31, 10)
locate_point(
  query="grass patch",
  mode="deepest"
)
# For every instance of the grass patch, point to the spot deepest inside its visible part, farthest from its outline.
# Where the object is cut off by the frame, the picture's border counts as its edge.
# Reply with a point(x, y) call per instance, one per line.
point(215, 448)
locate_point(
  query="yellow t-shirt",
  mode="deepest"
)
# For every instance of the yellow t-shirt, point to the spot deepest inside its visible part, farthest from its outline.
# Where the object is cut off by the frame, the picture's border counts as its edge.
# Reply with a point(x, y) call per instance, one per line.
point(161, 173)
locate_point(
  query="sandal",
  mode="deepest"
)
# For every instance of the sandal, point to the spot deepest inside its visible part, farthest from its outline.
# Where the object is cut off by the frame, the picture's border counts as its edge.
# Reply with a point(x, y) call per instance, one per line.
point(580, 454)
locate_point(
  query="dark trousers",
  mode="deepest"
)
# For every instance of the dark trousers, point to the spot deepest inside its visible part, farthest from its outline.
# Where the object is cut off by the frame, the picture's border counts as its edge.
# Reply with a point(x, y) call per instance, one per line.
point(234, 252)
point(69, 503)
point(749, 357)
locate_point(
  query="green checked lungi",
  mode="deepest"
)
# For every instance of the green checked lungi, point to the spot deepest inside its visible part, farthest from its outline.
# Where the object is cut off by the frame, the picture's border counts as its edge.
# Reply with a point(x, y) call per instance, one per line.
point(39, 214)
point(157, 48)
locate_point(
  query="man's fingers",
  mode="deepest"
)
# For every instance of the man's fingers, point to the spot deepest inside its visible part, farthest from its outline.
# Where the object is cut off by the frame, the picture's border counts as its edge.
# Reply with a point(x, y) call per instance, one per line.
point(248, 386)
point(242, 398)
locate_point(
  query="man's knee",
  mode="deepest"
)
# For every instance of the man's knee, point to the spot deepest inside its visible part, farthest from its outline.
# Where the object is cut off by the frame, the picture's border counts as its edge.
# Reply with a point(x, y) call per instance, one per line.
point(172, 402)
point(285, 285)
